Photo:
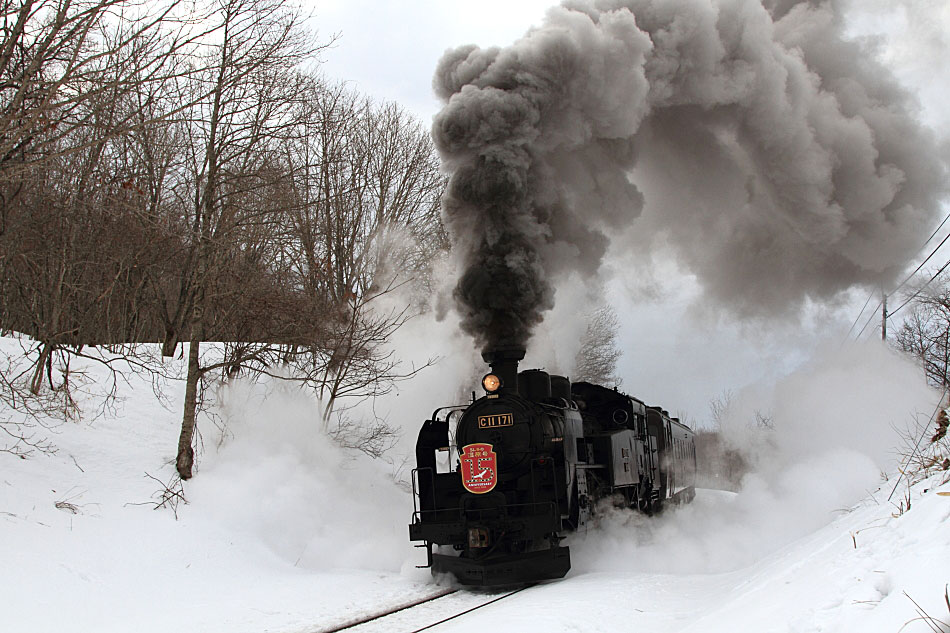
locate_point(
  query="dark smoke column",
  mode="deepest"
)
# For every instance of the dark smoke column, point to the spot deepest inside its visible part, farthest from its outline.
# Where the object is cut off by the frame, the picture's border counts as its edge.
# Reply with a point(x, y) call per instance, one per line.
point(485, 134)
point(781, 163)
point(515, 121)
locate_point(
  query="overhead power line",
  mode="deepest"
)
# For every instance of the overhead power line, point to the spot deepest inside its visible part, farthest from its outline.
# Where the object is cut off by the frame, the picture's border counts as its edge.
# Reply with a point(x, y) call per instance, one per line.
point(922, 288)
point(932, 253)
point(903, 283)
point(857, 318)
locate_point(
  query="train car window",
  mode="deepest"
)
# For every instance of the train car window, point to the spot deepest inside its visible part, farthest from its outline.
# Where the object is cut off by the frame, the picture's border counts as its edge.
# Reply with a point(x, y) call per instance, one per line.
point(443, 461)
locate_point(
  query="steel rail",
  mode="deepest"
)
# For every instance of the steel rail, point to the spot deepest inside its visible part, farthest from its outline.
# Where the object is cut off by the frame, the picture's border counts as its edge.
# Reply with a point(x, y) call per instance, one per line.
point(418, 602)
point(349, 624)
point(484, 604)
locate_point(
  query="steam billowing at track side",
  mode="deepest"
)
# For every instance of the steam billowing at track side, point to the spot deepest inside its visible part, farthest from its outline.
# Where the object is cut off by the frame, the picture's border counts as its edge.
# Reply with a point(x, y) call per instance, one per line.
point(780, 161)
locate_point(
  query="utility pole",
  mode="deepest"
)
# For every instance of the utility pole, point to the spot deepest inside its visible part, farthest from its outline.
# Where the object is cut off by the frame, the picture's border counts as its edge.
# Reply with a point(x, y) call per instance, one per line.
point(884, 318)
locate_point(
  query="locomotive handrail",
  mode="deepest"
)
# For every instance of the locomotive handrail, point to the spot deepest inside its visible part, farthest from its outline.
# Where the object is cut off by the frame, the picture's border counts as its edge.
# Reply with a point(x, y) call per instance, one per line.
point(415, 491)
point(453, 407)
point(570, 405)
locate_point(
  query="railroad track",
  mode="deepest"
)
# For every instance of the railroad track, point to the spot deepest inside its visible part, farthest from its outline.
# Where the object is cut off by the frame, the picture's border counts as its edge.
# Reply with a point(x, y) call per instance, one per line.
point(421, 614)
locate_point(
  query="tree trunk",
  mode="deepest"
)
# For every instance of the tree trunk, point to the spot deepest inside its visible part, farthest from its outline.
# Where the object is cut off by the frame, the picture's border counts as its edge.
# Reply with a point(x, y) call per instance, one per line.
point(186, 452)
point(36, 384)
point(170, 343)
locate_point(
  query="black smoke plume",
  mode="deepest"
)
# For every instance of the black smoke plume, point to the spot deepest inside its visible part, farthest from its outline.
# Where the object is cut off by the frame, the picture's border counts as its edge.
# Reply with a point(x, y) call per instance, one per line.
point(778, 160)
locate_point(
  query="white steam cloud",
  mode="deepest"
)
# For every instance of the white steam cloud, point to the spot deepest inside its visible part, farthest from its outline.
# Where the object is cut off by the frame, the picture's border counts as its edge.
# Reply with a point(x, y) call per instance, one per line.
point(279, 479)
point(778, 160)
point(834, 431)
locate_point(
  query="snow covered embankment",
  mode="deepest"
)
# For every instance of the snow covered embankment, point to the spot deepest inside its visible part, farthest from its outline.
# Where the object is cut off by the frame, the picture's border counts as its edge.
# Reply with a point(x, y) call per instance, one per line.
point(285, 532)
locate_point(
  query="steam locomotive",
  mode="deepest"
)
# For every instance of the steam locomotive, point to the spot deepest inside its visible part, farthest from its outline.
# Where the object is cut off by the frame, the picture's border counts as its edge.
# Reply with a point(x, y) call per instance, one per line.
point(498, 482)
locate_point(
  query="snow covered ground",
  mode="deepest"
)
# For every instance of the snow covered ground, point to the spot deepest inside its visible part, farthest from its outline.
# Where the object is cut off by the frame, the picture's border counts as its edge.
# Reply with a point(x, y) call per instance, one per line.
point(285, 532)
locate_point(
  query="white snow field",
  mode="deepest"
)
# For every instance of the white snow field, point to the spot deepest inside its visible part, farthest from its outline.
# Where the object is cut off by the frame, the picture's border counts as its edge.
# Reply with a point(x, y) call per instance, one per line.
point(284, 532)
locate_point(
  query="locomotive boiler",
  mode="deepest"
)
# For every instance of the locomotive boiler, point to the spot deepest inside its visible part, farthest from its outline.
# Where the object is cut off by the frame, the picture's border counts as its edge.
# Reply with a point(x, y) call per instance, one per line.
point(499, 482)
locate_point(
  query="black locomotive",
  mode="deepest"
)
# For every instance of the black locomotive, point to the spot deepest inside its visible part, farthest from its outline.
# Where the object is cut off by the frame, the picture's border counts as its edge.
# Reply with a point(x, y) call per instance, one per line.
point(498, 482)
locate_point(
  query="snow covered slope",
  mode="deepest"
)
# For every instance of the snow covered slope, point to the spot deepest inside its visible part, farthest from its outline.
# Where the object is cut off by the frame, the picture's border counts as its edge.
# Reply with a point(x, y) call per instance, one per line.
point(285, 532)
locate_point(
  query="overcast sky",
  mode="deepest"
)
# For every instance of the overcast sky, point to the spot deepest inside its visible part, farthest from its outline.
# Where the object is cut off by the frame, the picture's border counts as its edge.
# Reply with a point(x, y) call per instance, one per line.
point(674, 355)
point(389, 48)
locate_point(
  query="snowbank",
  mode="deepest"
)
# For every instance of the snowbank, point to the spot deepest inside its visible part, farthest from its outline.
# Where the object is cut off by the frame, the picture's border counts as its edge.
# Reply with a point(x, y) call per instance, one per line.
point(286, 532)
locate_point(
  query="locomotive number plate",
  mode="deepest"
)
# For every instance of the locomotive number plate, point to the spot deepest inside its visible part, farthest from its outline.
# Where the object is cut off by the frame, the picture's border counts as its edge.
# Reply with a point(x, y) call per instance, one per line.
point(495, 421)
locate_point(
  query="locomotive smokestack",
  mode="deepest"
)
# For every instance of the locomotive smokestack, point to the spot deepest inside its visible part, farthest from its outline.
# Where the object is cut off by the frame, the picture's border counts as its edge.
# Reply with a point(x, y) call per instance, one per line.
point(504, 364)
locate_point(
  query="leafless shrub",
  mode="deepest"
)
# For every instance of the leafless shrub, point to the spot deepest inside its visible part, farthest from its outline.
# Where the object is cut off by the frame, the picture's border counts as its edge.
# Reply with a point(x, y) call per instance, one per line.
point(23, 439)
point(925, 331)
point(718, 465)
point(597, 358)
point(169, 495)
point(719, 407)
point(82, 383)
point(373, 437)
point(924, 447)
point(920, 458)
point(721, 460)
point(903, 505)
point(24, 417)
point(934, 624)
point(764, 420)
point(400, 472)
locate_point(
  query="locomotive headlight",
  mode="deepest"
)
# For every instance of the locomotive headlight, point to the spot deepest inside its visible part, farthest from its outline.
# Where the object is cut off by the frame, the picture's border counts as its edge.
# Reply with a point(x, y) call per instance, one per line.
point(491, 383)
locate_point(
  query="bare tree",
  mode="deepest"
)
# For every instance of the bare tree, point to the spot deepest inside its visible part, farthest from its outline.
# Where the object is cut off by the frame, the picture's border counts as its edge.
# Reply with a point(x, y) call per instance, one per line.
point(719, 407)
point(252, 82)
point(68, 71)
point(720, 464)
point(365, 224)
point(58, 56)
point(925, 331)
point(597, 358)
point(231, 196)
point(22, 419)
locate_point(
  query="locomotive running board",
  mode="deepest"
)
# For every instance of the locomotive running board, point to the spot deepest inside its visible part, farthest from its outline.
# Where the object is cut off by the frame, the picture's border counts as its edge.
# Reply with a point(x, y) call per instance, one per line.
point(510, 570)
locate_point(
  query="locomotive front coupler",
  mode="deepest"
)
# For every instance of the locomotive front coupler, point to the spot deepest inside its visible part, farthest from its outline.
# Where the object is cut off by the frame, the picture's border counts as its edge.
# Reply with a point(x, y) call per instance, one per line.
point(478, 537)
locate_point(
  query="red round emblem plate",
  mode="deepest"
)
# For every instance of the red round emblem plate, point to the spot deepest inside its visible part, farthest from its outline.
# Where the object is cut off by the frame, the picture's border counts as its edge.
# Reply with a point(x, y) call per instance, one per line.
point(479, 466)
